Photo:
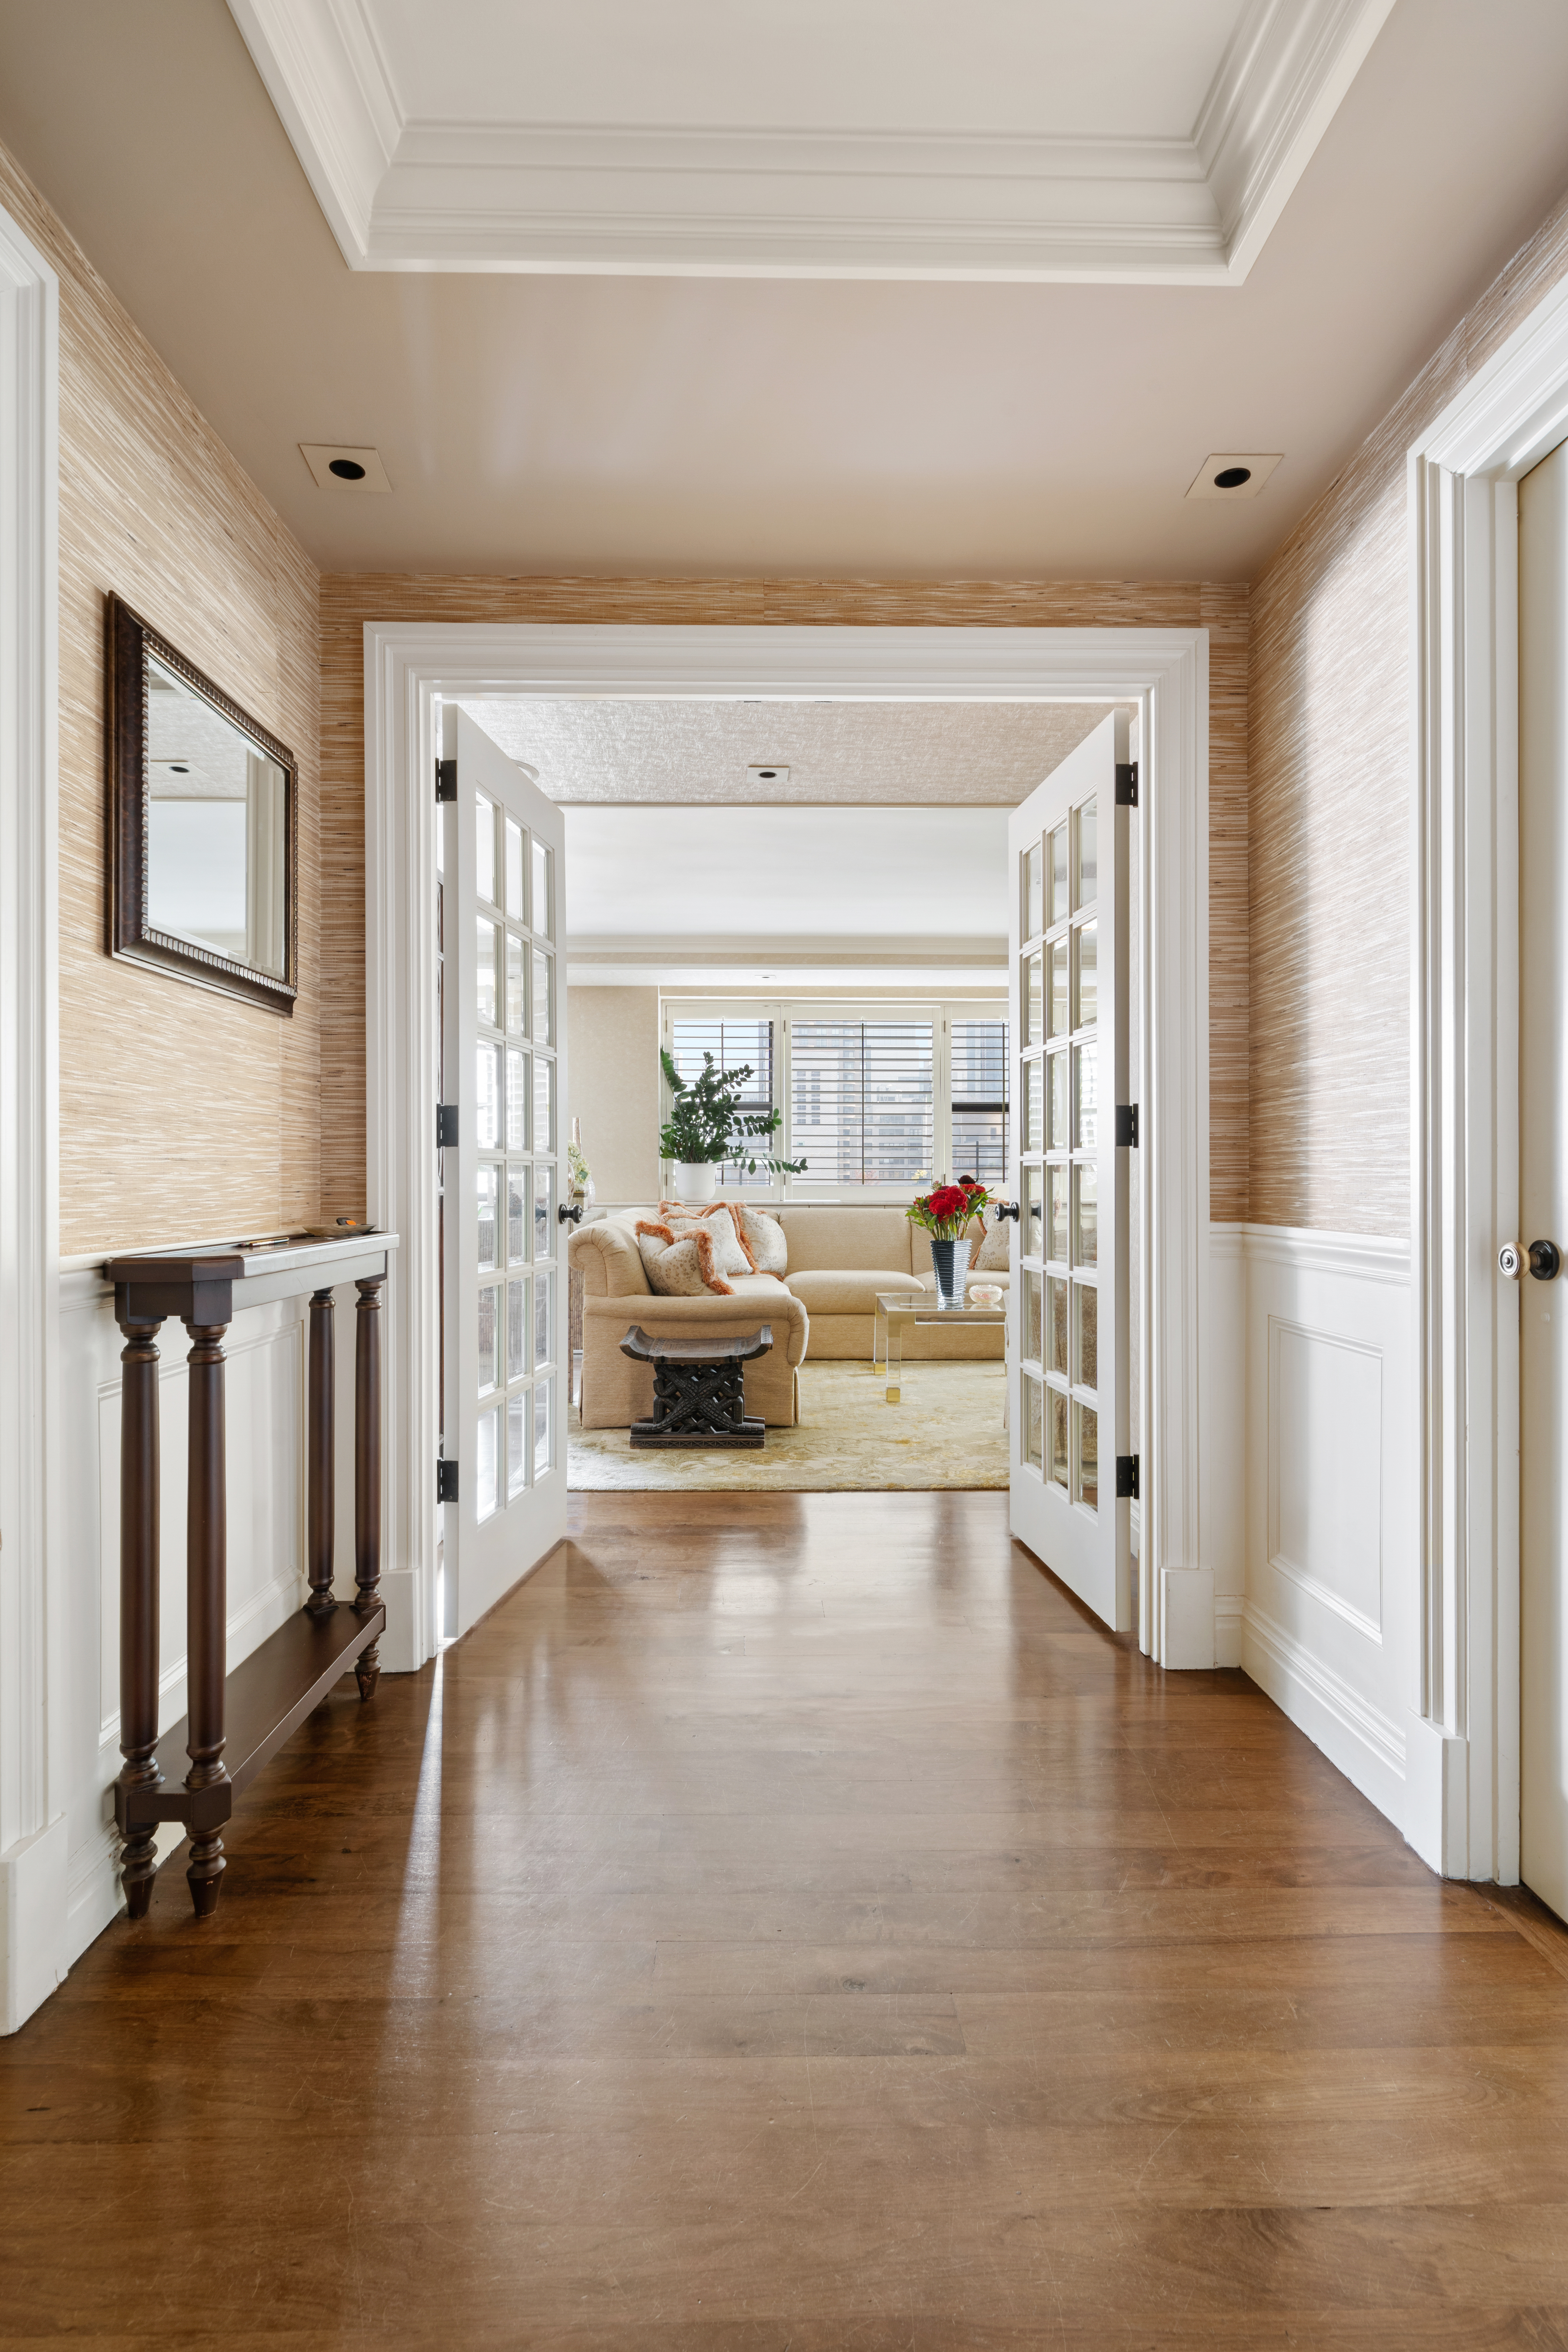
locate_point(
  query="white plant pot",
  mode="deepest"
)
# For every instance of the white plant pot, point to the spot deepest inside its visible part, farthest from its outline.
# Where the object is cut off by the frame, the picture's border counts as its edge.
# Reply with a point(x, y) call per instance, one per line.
point(697, 1181)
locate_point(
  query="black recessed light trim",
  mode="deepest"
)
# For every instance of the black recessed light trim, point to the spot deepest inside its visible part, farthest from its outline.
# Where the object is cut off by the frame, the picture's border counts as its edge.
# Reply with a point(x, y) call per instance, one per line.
point(1229, 478)
point(347, 470)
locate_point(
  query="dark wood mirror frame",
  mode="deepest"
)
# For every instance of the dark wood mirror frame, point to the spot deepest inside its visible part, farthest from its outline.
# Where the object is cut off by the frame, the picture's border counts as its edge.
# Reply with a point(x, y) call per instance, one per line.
point(131, 937)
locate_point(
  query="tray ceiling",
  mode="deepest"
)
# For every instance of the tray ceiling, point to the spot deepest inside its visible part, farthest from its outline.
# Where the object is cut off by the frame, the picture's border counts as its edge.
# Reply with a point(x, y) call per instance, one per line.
point(1037, 140)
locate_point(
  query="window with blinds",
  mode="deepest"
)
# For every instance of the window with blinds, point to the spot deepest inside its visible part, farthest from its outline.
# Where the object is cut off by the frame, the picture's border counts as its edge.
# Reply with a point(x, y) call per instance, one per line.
point(979, 1097)
point(862, 1100)
point(734, 1045)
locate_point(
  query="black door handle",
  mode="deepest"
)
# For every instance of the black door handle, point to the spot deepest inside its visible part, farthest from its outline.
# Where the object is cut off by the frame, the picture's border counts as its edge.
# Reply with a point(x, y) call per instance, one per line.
point(1545, 1261)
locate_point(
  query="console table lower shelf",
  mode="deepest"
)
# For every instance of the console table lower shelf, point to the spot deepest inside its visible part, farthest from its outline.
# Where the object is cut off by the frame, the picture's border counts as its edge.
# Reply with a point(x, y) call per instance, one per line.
point(265, 1702)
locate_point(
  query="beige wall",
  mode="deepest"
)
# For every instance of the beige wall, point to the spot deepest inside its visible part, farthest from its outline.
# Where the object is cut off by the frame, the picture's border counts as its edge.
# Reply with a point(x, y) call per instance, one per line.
point(612, 1086)
point(182, 1113)
point(348, 602)
point(1331, 763)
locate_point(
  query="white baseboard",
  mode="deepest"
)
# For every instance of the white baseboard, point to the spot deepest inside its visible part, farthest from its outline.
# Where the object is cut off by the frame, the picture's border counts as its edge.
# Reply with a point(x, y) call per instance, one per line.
point(1365, 1745)
point(33, 1958)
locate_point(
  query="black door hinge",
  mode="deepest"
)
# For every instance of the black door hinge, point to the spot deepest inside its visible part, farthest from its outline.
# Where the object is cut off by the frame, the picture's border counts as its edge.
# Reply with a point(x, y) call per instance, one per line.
point(1126, 783)
point(445, 1126)
point(446, 1480)
point(446, 779)
point(1127, 1125)
point(1127, 1477)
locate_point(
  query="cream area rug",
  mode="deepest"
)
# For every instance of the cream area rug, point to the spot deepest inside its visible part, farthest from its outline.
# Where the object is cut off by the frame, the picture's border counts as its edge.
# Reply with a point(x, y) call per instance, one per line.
point(946, 1432)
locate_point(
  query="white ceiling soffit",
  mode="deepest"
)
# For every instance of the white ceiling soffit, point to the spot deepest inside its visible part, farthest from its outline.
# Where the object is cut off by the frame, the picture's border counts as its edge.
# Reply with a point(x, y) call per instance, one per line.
point(1133, 143)
point(733, 885)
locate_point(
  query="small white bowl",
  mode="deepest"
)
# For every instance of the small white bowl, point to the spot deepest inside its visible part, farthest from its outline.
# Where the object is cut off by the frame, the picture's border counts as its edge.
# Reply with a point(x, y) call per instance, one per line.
point(985, 1294)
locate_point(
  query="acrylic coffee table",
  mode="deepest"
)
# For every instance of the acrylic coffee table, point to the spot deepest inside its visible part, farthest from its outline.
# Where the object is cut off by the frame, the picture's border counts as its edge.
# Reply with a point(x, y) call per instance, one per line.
point(898, 1309)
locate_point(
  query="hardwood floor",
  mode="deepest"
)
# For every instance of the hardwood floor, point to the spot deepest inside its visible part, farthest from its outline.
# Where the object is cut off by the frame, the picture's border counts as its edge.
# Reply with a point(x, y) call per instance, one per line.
point(788, 1924)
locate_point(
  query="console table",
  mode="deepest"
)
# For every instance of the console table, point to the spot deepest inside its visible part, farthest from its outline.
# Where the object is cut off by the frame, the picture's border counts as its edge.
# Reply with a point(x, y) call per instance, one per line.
point(236, 1722)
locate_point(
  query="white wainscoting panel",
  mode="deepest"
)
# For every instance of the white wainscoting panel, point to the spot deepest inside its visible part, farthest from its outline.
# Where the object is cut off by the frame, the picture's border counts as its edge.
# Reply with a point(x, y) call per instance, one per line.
point(1329, 1625)
point(264, 1383)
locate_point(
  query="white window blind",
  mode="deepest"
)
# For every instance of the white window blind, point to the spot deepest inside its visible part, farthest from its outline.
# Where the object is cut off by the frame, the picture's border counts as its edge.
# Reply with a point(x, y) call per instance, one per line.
point(733, 1044)
point(862, 1099)
point(979, 1097)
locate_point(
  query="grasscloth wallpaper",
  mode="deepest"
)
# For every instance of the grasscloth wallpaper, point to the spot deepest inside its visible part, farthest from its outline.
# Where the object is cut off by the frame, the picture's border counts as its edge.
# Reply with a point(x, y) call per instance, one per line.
point(182, 1113)
point(348, 602)
point(1330, 764)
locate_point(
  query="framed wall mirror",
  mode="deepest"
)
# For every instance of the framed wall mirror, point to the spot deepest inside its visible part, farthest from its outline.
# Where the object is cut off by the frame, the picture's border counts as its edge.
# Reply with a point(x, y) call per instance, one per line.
point(203, 825)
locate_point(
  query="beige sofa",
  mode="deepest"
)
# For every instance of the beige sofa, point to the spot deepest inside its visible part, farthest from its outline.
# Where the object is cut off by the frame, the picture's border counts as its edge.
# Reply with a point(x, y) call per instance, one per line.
point(839, 1257)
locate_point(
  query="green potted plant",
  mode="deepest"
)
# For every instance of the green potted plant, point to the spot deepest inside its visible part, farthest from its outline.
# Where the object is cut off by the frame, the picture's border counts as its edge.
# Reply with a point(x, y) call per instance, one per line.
point(706, 1125)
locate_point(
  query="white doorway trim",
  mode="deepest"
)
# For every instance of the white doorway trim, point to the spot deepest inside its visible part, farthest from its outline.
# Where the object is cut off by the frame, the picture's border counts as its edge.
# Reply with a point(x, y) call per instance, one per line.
point(1463, 1758)
point(1162, 672)
point(32, 1629)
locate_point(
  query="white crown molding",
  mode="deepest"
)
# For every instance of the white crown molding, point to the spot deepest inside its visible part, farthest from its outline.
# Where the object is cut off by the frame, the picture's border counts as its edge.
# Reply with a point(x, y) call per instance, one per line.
point(1277, 89)
point(744, 200)
point(328, 82)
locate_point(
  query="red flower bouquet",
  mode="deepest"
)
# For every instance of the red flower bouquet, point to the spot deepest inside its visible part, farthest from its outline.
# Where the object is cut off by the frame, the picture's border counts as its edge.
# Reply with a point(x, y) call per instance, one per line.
point(949, 1211)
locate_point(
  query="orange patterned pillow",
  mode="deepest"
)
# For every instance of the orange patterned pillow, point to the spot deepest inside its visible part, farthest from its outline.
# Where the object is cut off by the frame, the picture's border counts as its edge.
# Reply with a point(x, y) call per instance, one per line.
point(679, 1266)
point(720, 1225)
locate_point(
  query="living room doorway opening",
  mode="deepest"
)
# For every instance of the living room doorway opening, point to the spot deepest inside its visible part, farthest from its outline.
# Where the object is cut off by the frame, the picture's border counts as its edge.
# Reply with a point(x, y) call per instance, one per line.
point(836, 930)
point(785, 1031)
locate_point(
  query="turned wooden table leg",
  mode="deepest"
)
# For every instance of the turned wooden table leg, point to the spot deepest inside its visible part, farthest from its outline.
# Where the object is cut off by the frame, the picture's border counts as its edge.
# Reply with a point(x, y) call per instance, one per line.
point(367, 1470)
point(206, 1600)
point(321, 1504)
point(139, 1597)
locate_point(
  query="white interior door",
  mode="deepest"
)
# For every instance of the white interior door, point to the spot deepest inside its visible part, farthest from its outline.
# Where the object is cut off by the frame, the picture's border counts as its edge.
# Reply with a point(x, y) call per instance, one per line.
point(503, 1009)
point(1543, 1175)
point(1066, 1315)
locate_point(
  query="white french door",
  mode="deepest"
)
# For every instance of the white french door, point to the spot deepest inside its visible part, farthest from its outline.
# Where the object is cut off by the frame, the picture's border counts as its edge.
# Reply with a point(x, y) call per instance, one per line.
point(502, 887)
point(1066, 1315)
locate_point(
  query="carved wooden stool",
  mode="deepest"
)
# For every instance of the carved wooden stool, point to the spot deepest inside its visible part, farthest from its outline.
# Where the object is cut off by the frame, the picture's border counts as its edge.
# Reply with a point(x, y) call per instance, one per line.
point(699, 1389)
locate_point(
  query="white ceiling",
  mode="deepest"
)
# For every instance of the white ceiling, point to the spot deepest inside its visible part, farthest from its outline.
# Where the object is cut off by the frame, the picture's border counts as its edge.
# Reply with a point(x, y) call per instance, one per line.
point(864, 752)
point(1129, 142)
point(753, 896)
point(586, 427)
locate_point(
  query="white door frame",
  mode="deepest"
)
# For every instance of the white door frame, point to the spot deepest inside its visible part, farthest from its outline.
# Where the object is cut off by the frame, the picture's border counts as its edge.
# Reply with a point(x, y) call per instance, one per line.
point(1162, 672)
point(32, 1629)
point(1462, 1755)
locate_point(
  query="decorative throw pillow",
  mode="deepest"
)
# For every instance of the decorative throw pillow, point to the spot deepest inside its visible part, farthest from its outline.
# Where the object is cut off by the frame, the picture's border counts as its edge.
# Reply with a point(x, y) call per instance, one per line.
point(730, 1254)
point(995, 1250)
point(679, 1268)
point(764, 1238)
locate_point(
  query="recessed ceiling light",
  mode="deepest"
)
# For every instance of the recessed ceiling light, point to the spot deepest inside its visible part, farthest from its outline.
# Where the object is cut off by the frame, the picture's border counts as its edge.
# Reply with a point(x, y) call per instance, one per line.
point(336, 467)
point(772, 773)
point(1233, 474)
